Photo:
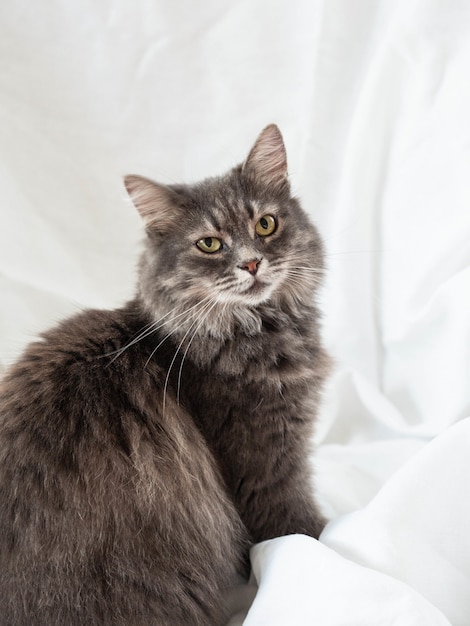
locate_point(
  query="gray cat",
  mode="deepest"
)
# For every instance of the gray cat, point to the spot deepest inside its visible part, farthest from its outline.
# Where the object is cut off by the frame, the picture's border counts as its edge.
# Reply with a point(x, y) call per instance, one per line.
point(142, 450)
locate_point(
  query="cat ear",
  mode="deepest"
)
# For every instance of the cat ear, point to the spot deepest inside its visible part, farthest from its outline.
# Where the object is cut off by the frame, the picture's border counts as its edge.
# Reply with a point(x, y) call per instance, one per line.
point(156, 203)
point(267, 160)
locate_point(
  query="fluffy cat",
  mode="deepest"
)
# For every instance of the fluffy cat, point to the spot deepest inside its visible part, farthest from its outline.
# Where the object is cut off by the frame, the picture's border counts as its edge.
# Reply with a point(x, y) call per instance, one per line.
point(143, 449)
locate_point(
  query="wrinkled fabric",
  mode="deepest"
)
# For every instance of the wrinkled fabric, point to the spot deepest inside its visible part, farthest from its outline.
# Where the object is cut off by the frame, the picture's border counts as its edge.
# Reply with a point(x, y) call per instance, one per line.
point(373, 99)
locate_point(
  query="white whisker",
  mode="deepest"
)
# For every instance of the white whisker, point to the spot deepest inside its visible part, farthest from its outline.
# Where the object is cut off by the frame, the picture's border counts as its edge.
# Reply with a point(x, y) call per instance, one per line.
point(201, 314)
point(146, 331)
point(187, 315)
point(143, 332)
point(180, 371)
point(313, 270)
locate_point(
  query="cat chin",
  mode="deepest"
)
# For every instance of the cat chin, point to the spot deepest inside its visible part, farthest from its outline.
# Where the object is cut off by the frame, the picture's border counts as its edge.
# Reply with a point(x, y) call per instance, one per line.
point(253, 296)
point(251, 293)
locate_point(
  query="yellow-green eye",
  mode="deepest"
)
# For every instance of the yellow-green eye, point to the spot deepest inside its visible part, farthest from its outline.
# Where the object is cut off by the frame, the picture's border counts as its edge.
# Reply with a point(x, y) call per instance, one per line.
point(209, 244)
point(266, 225)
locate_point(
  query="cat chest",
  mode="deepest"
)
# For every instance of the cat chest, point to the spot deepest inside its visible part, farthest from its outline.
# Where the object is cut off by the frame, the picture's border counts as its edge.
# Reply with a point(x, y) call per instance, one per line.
point(245, 382)
point(250, 399)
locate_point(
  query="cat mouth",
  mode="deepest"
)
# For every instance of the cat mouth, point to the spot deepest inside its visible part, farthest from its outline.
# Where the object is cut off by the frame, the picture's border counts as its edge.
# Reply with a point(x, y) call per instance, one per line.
point(256, 287)
point(259, 291)
point(253, 292)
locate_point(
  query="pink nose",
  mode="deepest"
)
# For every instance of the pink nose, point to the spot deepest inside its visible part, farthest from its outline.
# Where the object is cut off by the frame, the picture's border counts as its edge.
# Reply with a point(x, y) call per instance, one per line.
point(251, 266)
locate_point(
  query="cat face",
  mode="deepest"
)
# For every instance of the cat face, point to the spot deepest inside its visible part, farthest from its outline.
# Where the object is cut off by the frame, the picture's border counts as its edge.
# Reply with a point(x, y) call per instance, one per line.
point(243, 263)
point(233, 242)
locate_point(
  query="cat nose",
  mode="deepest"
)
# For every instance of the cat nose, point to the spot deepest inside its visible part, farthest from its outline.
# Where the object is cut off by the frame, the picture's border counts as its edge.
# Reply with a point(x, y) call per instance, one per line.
point(251, 266)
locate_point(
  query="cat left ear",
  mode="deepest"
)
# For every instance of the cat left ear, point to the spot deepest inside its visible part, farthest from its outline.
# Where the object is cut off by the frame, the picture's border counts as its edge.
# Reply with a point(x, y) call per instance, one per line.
point(267, 160)
point(156, 203)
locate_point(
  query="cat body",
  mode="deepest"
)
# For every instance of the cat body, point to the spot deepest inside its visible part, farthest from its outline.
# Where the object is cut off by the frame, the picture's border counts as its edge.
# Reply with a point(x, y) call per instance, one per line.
point(143, 449)
point(111, 511)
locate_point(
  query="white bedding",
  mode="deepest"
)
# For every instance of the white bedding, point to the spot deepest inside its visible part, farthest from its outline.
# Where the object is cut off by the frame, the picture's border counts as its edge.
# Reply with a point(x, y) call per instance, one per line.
point(373, 98)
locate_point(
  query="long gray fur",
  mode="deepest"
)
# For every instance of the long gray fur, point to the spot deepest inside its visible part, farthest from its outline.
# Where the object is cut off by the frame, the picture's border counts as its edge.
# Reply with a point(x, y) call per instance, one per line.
point(143, 450)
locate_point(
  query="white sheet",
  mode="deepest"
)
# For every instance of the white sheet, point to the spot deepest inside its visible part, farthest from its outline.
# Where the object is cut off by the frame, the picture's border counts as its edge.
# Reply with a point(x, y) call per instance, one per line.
point(373, 98)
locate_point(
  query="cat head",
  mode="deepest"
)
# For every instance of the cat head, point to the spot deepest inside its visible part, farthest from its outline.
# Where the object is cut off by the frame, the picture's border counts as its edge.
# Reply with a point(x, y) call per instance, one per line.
point(230, 244)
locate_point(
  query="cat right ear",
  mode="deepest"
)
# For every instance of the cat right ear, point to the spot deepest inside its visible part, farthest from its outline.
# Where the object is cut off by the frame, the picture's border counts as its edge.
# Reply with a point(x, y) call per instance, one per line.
point(156, 203)
point(267, 161)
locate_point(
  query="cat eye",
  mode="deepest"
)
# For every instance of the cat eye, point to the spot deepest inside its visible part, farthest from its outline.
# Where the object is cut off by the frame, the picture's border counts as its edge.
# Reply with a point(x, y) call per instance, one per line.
point(209, 244)
point(266, 226)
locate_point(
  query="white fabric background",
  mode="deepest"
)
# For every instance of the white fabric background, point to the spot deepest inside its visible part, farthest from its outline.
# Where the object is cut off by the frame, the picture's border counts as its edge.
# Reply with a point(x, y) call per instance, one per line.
point(373, 99)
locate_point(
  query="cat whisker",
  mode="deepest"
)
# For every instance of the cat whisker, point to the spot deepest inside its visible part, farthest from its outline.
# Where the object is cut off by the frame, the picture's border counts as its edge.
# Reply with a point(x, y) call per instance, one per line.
point(188, 313)
point(313, 270)
point(294, 258)
point(294, 280)
point(297, 280)
point(345, 252)
point(143, 332)
point(148, 330)
point(202, 315)
point(297, 263)
point(180, 371)
point(160, 343)
point(304, 273)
